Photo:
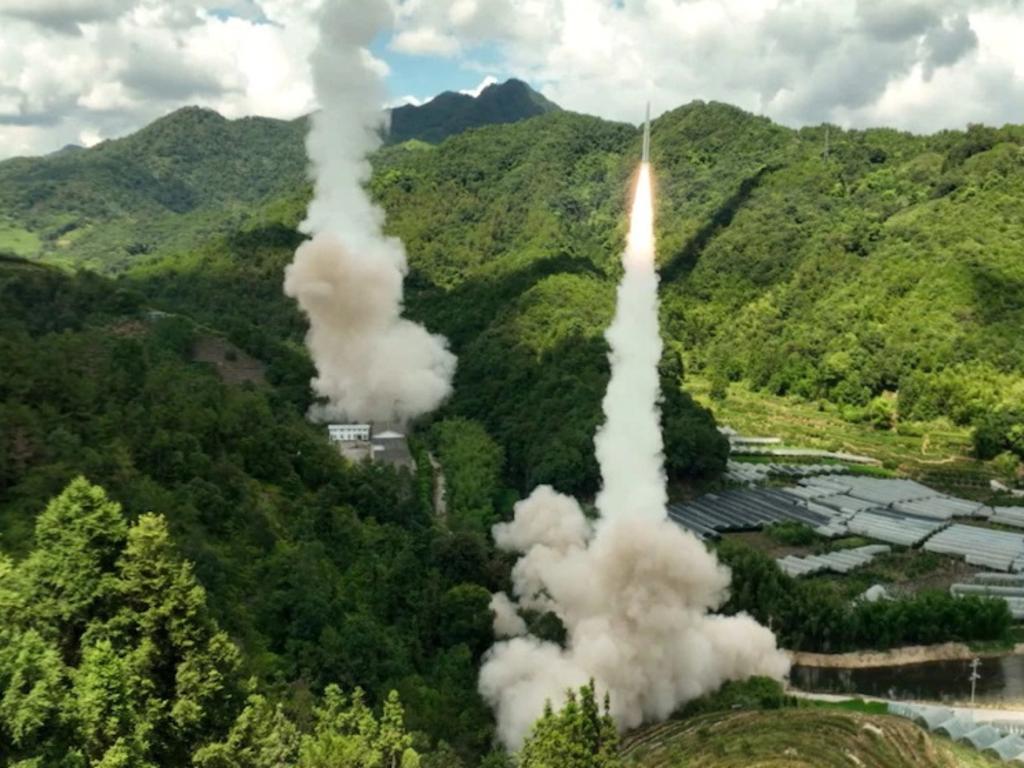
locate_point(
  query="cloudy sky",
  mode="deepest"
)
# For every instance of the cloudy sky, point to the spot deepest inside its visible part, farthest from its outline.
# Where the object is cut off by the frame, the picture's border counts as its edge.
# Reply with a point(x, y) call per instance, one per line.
point(78, 71)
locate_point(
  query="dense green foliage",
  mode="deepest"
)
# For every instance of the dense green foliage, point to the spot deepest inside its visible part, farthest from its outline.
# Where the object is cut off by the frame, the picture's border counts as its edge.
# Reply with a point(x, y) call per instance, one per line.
point(752, 693)
point(449, 113)
point(814, 615)
point(883, 276)
point(579, 735)
point(186, 177)
point(472, 464)
point(888, 265)
point(792, 533)
point(881, 263)
point(109, 657)
point(322, 571)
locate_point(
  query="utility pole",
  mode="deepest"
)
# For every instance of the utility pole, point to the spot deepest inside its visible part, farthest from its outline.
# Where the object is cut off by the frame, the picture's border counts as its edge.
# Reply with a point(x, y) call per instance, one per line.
point(827, 127)
point(974, 677)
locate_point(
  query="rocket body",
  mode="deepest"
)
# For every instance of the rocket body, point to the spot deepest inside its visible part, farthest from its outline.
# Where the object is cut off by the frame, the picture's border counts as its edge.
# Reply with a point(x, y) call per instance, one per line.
point(645, 156)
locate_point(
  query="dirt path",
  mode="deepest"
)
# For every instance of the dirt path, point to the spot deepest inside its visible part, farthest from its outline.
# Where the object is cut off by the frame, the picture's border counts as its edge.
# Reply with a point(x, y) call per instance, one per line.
point(914, 654)
point(440, 491)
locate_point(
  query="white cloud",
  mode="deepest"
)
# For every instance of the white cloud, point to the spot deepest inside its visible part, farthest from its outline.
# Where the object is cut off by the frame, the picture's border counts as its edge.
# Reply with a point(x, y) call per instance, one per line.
point(106, 67)
point(798, 61)
point(407, 100)
point(102, 68)
point(64, 15)
point(474, 92)
point(425, 41)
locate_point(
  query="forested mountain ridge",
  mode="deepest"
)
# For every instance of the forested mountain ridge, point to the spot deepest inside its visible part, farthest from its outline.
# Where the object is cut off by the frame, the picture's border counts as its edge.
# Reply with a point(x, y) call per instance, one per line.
point(192, 175)
point(450, 113)
point(875, 269)
point(186, 177)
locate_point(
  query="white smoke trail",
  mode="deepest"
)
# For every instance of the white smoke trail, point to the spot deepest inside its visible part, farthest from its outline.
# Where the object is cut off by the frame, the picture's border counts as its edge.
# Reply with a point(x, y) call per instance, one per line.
point(371, 363)
point(634, 591)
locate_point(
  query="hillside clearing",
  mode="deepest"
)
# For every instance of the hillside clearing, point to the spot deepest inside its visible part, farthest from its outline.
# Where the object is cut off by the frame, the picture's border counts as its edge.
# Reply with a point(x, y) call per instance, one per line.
point(936, 450)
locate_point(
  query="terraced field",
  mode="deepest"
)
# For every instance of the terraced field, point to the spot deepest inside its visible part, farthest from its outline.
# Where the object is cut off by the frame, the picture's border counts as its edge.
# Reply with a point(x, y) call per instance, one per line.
point(793, 738)
point(927, 451)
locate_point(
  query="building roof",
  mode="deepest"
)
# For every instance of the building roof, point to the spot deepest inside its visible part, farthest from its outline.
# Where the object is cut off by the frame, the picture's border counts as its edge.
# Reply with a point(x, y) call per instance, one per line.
point(392, 450)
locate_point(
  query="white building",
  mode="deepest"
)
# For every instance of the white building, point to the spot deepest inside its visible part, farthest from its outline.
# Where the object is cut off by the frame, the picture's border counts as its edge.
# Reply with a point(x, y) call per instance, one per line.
point(358, 442)
point(348, 433)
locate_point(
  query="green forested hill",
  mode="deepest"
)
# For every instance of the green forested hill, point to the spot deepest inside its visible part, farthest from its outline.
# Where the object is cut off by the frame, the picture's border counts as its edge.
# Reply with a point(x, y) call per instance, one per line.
point(321, 571)
point(185, 178)
point(514, 256)
point(877, 270)
point(449, 113)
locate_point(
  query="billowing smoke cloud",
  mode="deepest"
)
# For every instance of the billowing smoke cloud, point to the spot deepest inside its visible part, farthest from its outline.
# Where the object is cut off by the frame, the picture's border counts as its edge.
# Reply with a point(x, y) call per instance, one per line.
point(507, 621)
point(634, 591)
point(372, 364)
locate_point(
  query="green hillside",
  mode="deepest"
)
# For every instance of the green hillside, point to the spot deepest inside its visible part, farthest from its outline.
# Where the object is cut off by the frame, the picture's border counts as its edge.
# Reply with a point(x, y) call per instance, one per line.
point(320, 571)
point(875, 270)
point(185, 178)
point(875, 276)
point(523, 291)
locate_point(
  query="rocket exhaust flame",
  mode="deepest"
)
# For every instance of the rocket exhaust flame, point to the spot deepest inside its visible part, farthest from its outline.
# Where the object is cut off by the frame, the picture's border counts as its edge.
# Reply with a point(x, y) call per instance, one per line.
point(640, 240)
point(634, 591)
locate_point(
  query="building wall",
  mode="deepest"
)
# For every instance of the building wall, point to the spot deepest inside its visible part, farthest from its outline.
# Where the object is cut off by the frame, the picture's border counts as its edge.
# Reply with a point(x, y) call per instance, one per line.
point(348, 432)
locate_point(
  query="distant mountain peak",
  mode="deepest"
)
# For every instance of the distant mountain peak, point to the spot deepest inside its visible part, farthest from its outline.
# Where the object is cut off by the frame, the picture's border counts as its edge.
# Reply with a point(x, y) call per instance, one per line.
point(450, 112)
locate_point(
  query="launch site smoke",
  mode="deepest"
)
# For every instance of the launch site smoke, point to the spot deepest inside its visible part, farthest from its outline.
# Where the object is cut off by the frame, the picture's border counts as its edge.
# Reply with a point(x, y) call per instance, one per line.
point(634, 591)
point(372, 364)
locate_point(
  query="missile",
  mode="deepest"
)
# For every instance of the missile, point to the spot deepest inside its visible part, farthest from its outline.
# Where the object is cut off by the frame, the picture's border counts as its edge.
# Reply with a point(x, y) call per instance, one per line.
point(645, 156)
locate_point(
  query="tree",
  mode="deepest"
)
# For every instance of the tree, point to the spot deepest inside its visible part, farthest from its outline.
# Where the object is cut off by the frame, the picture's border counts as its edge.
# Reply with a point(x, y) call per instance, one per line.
point(347, 735)
point(262, 737)
point(185, 664)
point(108, 656)
point(578, 736)
point(78, 539)
point(472, 463)
point(466, 617)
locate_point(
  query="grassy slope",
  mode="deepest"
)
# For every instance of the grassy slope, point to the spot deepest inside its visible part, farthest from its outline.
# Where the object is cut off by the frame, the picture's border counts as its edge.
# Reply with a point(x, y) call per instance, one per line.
point(916, 449)
point(795, 739)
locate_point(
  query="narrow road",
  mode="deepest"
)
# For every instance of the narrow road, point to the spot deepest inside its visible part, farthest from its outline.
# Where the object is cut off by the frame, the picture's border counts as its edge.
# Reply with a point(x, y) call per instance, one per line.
point(440, 491)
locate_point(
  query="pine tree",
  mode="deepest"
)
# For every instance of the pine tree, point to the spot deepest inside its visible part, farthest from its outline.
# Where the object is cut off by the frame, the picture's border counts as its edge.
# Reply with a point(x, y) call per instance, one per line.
point(78, 539)
point(108, 656)
point(347, 735)
point(579, 736)
point(181, 665)
point(262, 737)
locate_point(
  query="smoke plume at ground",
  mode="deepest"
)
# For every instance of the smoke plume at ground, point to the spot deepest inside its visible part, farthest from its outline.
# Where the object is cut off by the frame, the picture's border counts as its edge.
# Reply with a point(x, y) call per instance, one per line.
point(633, 590)
point(372, 364)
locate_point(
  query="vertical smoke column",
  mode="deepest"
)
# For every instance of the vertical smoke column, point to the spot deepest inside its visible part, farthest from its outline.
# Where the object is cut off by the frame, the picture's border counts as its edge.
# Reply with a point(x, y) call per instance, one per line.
point(634, 591)
point(372, 364)
point(629, 444)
